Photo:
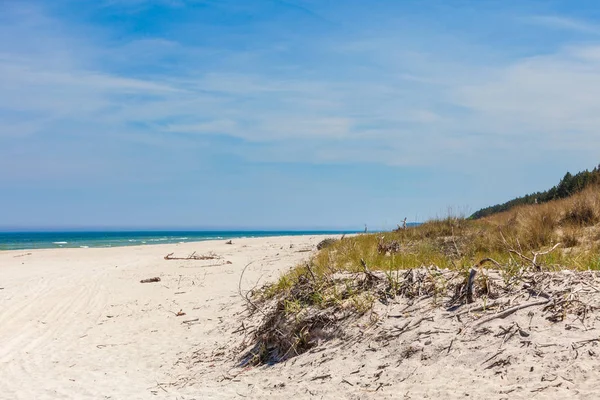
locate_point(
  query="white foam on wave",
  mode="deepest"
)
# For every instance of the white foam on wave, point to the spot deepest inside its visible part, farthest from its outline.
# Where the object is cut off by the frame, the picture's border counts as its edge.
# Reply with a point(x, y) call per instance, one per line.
point(60, 242)
point(85, 247)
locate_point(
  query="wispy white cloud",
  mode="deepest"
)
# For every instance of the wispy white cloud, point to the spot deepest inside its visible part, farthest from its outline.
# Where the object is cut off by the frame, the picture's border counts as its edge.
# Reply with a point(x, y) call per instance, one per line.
point(564, 23)
point(397, 107)
point(549, 101)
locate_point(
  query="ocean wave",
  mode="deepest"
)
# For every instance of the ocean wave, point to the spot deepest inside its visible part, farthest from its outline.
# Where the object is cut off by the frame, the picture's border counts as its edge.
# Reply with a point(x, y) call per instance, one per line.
point(84, 247)
point(60, 242)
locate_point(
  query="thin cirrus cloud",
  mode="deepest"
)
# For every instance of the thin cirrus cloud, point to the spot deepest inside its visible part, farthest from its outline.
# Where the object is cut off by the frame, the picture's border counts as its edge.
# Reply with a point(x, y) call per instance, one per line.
point(564, 23)
point(532, 95)
point(549, 100)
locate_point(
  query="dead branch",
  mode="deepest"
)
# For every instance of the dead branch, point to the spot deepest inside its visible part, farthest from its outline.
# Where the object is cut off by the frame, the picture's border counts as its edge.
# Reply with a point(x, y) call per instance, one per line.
point(513, 251)
point(542, 253)
point(193, 256)
point(533, 260)
point(470, 282)
point(507, 312)
point(370, 275)
point(246, 297)
point(310, 271)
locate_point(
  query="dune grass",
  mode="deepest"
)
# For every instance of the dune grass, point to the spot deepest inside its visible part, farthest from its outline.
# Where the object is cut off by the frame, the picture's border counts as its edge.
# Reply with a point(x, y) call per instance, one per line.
point(509, 238)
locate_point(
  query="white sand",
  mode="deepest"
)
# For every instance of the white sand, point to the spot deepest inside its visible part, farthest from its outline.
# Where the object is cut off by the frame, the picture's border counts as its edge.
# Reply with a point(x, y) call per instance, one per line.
point(78, 324)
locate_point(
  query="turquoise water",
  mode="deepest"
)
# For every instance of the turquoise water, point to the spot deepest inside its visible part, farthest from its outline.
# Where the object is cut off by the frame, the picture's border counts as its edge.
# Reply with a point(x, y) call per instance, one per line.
point(54, 240)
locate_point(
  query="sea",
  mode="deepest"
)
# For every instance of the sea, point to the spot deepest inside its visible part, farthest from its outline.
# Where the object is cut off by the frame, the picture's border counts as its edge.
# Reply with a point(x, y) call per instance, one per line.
point(56, 240)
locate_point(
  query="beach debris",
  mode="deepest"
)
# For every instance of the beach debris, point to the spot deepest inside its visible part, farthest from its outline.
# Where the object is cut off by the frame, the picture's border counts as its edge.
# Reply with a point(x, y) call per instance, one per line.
point(180, 313)
point(209, 256)
point(384, 247)
point(229, 242)
point(22, 255)
point(476, 298)
point(150, 280)
point(326, 376)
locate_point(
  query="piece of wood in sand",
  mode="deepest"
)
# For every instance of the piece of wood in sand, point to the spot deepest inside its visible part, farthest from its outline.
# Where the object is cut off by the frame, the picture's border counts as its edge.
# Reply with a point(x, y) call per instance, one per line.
point(150, 280)
point(509, 311)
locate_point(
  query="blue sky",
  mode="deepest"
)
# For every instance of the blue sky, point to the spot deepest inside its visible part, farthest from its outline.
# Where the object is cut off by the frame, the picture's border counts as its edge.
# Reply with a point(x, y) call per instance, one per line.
point(289, 114)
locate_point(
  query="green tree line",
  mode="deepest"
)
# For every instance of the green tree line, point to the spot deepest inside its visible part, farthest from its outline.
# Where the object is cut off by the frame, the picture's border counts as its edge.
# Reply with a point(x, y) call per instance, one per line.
point(567, 186)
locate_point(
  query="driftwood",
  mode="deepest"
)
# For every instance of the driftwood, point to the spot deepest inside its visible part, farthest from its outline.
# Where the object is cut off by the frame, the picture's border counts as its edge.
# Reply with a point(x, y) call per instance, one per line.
point(533, 260)
point(193, 256)
point(229, 242)
point(387, 247)
point(507, 312)
point(470, 282)
point(150, 280)
point(370, 276)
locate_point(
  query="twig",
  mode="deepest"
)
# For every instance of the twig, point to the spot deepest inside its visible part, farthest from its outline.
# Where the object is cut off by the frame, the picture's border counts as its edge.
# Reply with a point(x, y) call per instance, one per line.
point(246, 297)
point(409, 375)
point(521, 255)
point(541, 253)
point(367, 272)
point(310, 271)
point(450, 346)
point(509, 311)
point(494, 356)
point(160, 386)
point(321, 377)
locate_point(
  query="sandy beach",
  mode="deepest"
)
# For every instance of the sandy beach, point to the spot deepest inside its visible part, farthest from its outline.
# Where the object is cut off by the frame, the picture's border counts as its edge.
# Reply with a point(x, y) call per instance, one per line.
point(78, 324)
